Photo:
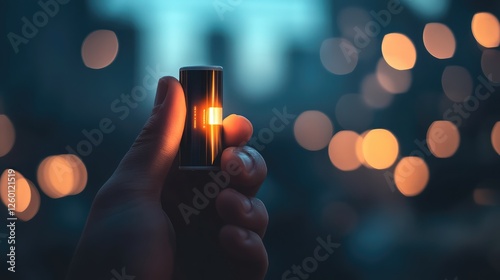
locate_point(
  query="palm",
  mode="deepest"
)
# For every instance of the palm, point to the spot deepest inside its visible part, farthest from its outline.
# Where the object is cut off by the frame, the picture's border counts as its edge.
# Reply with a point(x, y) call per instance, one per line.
point(114, 223)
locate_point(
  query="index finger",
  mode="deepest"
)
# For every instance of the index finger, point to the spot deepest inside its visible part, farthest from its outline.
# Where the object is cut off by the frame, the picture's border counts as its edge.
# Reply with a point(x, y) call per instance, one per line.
point(237, 130)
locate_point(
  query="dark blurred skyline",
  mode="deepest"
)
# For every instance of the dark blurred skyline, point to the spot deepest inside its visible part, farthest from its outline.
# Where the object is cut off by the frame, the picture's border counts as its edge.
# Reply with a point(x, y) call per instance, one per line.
point(271, 58)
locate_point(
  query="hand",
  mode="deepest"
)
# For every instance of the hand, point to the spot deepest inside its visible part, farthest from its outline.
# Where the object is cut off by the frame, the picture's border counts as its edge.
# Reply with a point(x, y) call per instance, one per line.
point(136, 226)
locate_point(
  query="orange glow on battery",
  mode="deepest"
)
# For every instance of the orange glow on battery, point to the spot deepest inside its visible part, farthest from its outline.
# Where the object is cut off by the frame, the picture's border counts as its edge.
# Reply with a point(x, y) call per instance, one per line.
point(201, 145)
point(194, 117)
point(215, 116)
point(204, 118)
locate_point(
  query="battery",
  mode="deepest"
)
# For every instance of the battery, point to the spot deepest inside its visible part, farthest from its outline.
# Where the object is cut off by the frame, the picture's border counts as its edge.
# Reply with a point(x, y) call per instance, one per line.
point(201, 144)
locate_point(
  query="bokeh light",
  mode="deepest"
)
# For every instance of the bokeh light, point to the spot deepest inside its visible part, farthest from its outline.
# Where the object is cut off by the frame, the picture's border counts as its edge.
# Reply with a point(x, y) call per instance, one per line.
point(485, 196)
point(99, 49)
point(394, 208)
point(486, 29)
point(342, 150)
point(380, 148)
point(17, 193)
point(490, 64)
point(457, 83)
point(411, 176)
point(27, 197)
point(23, 194)
point(352, 113)
point(313, 130)
point(392, 80)
point(338, 56)
point(359, 150)
point(34, 205)
point(439, 40)
point(374, 95)
point(443, 139)
point(62, 175)
point(8, 135)
point(495, 137)
point(398, 51)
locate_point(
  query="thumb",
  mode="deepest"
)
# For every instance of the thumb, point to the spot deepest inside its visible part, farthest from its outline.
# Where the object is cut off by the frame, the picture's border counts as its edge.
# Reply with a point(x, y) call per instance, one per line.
point(150, 157)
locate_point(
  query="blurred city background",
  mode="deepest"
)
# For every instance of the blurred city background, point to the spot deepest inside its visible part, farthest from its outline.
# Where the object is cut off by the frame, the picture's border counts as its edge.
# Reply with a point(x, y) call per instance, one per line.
point(390, 142)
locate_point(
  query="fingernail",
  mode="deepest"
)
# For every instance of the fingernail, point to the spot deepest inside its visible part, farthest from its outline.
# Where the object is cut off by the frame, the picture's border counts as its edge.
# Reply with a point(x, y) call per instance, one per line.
point(161, 92)
point(246, 158)
point(247, 205)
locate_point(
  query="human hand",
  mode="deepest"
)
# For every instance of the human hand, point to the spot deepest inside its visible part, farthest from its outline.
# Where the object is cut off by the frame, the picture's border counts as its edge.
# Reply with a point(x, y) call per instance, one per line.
point(136, 222)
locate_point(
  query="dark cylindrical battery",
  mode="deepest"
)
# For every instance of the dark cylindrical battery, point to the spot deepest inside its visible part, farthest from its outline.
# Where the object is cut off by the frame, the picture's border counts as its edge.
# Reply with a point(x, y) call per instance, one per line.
point(201, 144)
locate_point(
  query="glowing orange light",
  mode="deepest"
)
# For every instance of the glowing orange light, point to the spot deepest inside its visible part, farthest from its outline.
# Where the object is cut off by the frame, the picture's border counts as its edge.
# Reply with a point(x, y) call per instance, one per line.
point(443, 139)
point(99, 49)
point(15, 191)
point(380, 148)
point(313, 130)
point(194, 117)
point(34, 205)
point(214, 116)
point(486, 29)
point(62, 175)
point(342, 150)
point(495, 137)
point(411, 176)
point(439, 40)
point(359, 149)
point(8, 135)
point(398, 51)
point(214, 119)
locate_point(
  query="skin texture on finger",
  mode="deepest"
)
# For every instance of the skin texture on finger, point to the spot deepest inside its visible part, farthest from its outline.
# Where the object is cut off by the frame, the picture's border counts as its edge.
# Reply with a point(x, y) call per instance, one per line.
point(237, 130)
point(246, 250)
point(246, 167)
point(247, 212)
point(154, 150)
